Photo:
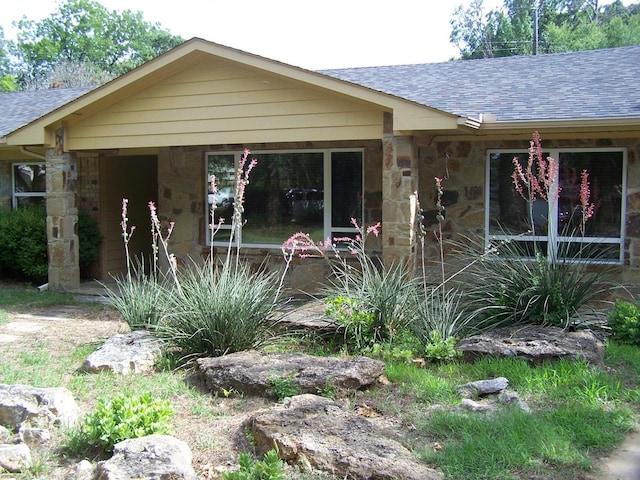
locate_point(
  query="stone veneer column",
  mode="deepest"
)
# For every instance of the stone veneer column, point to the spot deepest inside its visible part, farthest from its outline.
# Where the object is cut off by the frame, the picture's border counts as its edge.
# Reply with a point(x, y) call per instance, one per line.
point(399, 182)
point(62, 221)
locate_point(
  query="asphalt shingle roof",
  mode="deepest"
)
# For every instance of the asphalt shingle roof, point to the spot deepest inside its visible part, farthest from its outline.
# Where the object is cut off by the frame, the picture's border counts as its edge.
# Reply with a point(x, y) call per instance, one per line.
point(578, 85)
point(20, 108)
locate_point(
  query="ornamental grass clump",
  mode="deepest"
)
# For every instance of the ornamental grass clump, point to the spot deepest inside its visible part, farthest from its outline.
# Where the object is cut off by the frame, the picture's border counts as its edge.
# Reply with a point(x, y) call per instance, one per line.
point(366, 298)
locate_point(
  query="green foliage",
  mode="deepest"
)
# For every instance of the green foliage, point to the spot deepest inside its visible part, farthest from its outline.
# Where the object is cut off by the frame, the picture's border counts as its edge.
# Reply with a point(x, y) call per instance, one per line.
point(270, 468)
point(327, 390)
point(84, 31)
point(356, 323)
point(510, 289)
point(23, 244)
point(386, 352)
point(89, 240)
point(118, 419)
point(438, 349)
point(220, 310)
point(283, 386)
point(624, 321)
point(141, 299)
point(563, 25)
point(31, 298)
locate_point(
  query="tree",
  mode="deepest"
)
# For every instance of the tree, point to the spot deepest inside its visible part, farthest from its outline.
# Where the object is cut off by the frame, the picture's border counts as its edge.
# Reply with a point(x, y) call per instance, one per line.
point(7, 81)
point(562, 25)
point(83, 32)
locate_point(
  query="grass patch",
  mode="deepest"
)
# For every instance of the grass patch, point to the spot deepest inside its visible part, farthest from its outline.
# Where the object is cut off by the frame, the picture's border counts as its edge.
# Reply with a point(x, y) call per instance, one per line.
point(30, 297)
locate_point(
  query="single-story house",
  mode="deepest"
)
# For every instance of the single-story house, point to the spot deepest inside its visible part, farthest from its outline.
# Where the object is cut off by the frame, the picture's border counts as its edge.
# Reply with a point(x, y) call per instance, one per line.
point(331, 146)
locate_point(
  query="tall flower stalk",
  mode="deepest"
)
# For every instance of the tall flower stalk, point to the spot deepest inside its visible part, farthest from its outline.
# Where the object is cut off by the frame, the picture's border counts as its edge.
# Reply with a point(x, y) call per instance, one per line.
point(127, 232)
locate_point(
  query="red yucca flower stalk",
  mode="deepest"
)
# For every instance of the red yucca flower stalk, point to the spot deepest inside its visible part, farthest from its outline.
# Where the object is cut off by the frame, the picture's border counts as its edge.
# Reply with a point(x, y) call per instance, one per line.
point(538, 178)
point(126, 233)
point(588, 208)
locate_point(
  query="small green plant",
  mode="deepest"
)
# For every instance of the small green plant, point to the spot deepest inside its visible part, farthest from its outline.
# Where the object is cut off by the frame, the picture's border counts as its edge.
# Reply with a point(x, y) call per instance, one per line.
point(269, 468)
point(118, 419)
point(356, 322)
point(327, 390)
point(438, 349)
point(283, 386)
point(624, 321)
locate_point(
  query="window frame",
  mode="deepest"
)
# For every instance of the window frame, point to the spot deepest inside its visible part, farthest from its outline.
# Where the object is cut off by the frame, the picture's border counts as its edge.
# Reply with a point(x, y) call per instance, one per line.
point(15, 195)
point(329, 231)
point(553, 239)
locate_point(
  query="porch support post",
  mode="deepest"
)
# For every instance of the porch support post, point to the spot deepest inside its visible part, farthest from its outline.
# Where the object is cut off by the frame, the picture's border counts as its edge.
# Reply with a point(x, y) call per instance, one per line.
point(399, 183)
point(62, 221)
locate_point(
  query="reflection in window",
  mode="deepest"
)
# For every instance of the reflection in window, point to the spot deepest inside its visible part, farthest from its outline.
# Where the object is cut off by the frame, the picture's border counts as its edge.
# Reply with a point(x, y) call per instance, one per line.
point(317, 192)
point(559, 229)
point(29, 184)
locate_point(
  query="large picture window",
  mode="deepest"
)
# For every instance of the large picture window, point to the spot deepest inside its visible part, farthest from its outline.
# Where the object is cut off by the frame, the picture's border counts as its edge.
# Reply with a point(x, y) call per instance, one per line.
point(557, 227)
point(314, 191)
point(29, 184)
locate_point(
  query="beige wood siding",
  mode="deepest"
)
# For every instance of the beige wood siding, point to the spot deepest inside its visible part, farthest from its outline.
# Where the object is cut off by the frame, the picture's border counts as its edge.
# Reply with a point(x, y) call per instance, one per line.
point(223, 102)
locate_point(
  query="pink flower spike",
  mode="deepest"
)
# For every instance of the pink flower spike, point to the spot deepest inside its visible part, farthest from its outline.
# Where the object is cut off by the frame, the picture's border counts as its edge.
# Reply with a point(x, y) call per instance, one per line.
point(375, 229)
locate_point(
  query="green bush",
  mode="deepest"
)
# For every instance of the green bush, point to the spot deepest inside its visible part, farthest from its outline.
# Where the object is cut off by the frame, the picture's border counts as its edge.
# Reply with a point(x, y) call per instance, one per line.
point(624, 321)
point(270, 468)
point(23, 244)
point(118, 419)
point(356, 323)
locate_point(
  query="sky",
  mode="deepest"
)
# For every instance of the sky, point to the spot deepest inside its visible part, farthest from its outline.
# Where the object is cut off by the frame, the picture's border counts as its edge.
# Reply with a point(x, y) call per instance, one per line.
point(309, 34)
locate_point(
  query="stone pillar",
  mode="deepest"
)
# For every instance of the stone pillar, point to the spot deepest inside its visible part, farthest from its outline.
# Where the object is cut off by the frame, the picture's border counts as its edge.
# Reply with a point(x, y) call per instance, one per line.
point(62, 221)
point(399, 182)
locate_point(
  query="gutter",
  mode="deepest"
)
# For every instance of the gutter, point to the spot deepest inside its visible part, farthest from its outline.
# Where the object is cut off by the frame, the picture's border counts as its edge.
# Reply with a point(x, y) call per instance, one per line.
point(39, 156)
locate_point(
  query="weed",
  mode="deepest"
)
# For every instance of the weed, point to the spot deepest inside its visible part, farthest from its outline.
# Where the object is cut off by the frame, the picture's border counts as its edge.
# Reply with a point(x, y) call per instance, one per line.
point(269, 468)
point(624, 321)
point(327, 390)
point(283, 386)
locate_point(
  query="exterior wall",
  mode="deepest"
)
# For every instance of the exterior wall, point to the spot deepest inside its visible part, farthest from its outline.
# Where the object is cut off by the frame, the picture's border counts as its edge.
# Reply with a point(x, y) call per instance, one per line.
point(181, 199)
point(462, 165)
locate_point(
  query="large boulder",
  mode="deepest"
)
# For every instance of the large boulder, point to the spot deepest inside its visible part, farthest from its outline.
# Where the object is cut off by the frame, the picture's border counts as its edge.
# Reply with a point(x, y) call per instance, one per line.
point(318, 433)
point(24, 406)
point(535, 344)
point(154, 457)
point(253, 373)
point(126, 353)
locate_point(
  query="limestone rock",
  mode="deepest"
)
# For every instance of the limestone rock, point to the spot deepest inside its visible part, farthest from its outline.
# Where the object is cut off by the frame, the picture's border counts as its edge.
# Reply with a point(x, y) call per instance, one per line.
point(126, 353)
point(31, 407)
point(317, 432)
point(5, 434)
point(535, 344)
point(85, 470)
point(474, 406)
point(15, 458)
point(154, 457)
point(249, 372)
point(483, 387)
point(34, 436)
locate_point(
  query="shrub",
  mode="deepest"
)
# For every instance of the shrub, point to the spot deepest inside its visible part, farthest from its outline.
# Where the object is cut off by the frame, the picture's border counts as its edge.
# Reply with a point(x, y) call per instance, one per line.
point(118, 419)
point(23, 244)
point(624, 321)
point(356, 323)
point(270, 468)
